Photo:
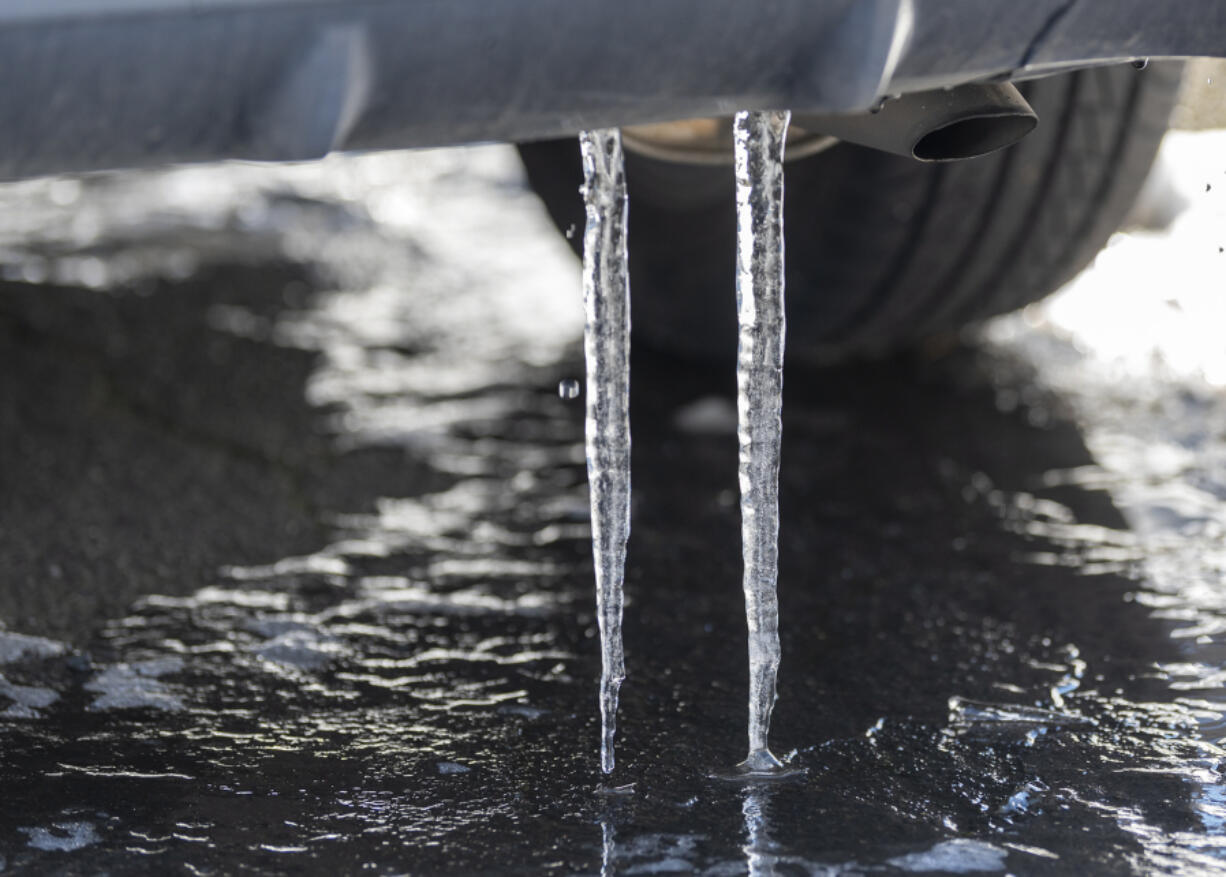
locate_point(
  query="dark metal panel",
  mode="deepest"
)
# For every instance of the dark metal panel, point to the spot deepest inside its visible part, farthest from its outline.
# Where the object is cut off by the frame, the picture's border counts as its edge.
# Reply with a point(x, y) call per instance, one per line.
point(137, 82)
point(292, 80)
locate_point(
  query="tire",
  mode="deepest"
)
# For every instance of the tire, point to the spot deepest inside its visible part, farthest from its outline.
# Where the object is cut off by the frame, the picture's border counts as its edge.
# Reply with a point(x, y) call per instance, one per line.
point(884, 251)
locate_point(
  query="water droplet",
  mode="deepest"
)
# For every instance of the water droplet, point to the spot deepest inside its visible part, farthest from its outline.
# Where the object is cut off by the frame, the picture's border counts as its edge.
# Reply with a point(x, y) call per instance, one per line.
point(568, 389)
point(1141, 63)
point(570, 231)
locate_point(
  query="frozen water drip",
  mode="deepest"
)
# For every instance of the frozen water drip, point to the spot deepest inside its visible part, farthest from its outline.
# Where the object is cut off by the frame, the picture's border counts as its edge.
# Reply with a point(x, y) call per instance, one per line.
point(759, 139)
point(606, 348)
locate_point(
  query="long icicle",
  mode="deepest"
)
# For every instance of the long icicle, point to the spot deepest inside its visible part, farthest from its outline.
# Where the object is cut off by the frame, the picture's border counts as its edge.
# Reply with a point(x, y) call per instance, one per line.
point(606, 347)
point(759, 141)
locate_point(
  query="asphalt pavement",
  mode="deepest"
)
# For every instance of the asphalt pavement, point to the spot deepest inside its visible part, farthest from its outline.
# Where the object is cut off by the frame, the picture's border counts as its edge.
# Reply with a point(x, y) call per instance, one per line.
point(295, 573)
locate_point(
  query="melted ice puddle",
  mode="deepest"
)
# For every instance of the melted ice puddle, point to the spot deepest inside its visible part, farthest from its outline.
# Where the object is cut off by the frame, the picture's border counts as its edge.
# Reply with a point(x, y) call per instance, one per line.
point(606, 348)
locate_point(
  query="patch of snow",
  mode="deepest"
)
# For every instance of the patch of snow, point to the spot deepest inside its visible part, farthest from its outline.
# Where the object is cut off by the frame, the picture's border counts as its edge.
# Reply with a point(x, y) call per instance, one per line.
point(21, 647)
point(27, 700)
point(302, 648)
point(66, 837)
point(135, 686)
point(958, 856)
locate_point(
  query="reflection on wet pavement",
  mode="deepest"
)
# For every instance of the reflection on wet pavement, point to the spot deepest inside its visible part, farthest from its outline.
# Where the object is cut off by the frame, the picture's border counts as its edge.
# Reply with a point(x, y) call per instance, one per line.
point(297, 571)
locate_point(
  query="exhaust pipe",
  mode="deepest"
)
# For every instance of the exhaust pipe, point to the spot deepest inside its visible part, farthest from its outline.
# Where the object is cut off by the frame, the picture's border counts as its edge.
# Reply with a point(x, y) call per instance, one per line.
point(943, 125)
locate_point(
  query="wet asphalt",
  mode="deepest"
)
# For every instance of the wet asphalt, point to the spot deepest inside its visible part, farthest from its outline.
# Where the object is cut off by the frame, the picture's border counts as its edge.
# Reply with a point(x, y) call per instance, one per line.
point(294, 570)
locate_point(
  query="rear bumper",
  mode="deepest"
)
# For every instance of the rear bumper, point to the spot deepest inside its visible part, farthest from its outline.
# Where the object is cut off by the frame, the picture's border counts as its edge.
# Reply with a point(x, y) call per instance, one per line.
point(94, 84)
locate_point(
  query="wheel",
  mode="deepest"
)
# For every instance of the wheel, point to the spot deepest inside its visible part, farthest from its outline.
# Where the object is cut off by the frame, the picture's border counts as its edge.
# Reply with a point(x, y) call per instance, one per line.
point(883, 251)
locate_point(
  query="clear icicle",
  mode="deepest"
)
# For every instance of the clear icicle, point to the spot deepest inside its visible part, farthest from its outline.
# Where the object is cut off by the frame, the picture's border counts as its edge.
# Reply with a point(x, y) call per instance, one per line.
point(606, 347)
point(759, 141)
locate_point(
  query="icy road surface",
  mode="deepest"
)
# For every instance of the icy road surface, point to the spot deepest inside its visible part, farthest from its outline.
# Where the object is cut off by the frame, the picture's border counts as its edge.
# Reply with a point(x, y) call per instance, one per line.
point(295, 568)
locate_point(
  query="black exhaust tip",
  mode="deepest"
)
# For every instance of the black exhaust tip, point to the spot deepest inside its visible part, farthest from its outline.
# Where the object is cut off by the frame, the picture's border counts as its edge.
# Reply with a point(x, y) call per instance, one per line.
point(973, 137)
point(942, 125)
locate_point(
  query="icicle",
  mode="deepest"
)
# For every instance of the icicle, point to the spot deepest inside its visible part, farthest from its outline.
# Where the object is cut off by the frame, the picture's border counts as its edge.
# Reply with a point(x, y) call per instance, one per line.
point(606, 347)
point(759, 139)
